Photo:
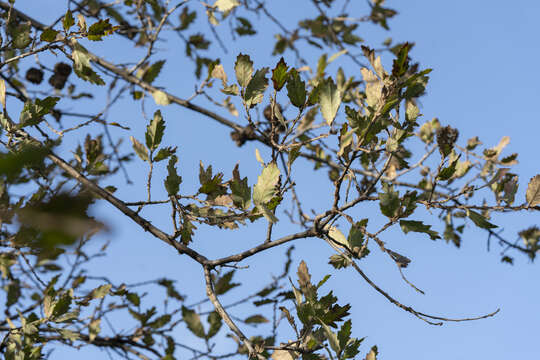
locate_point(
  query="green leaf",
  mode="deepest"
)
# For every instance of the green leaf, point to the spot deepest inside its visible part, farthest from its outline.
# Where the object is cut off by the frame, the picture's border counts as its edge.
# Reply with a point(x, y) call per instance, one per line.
point(339, 261)
point(68, 21)
point(211, 185)
point(293, 155)
point(82, 66)
point(224, 283)
point(231, 90)
point(55, 221)
point(344, 334)
point(243, 69)
point(401, 63)
point(139, 148)
point(68, 316)
point(279, 74)
point(21, 36)
point(255, 89)
point(49, 35)
point(418, 226)
point(256, 319)
point(533, 191)
point(68, 334)
point(143, 317)
point(215, 324)
point(412, 113)
point(428, 129)
point(266, 187)
point(186, 18)
point(99, 29)
point(100, 291)
point(61, 306)
point(355, 239)
point(172, 181)
point(330, 99)
point(171, 290)
point(154, 131)
point(240, 191)
point(153, 71)
point(186, 233)
point(164, 153)
point(296, 89)
point(33, 112)
point(244, 27)
point(480, 220)
point(314, 95)
point(304, 277)
point(351, 350)
point(13, 293)
point(160, 321)
point(133, 298)
point(389, 201)
point(447, 172)
point(321, 65)
point(193, 322)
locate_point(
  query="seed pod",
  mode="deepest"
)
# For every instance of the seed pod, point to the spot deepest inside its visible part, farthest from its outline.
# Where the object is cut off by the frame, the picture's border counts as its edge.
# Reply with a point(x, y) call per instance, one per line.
point(34, 75)
point(57, 81)
point(446, 138)
point(62, 69)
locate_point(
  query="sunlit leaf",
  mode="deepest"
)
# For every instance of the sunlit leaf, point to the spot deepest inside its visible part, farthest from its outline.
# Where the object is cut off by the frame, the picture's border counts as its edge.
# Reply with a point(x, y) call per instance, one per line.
point(140, 149)
point(330, 99)
point(161, 98)
point(155, 131)
point(533, 191)
point(82, 66)
point(266, 187)
point(243, 69)
point(226, 5)
point(255, 89)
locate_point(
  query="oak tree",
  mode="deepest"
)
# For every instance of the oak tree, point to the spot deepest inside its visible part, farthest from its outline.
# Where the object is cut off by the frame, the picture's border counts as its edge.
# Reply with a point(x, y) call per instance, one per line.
point(321, 101)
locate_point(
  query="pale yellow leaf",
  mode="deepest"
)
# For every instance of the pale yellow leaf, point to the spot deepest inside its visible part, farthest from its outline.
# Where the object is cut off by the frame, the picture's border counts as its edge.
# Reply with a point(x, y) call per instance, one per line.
point(160, 97)
point(226, 5)
point(533, 191)
point(3, 93)
point(336, 55)
point(373, 87)
point(258, 156)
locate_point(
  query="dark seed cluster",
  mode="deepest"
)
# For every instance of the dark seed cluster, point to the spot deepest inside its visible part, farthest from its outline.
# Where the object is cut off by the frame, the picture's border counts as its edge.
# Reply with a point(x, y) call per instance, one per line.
point(61, 73)
point(240, 137)
point(446, 138)
point(34, 75)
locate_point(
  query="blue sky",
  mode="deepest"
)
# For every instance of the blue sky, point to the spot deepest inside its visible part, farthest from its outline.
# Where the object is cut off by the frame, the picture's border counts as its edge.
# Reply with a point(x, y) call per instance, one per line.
point(485, 82)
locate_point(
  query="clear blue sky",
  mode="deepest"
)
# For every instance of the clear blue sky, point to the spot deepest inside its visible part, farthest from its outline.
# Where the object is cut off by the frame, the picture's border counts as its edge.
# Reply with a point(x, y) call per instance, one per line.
point(485, 82)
